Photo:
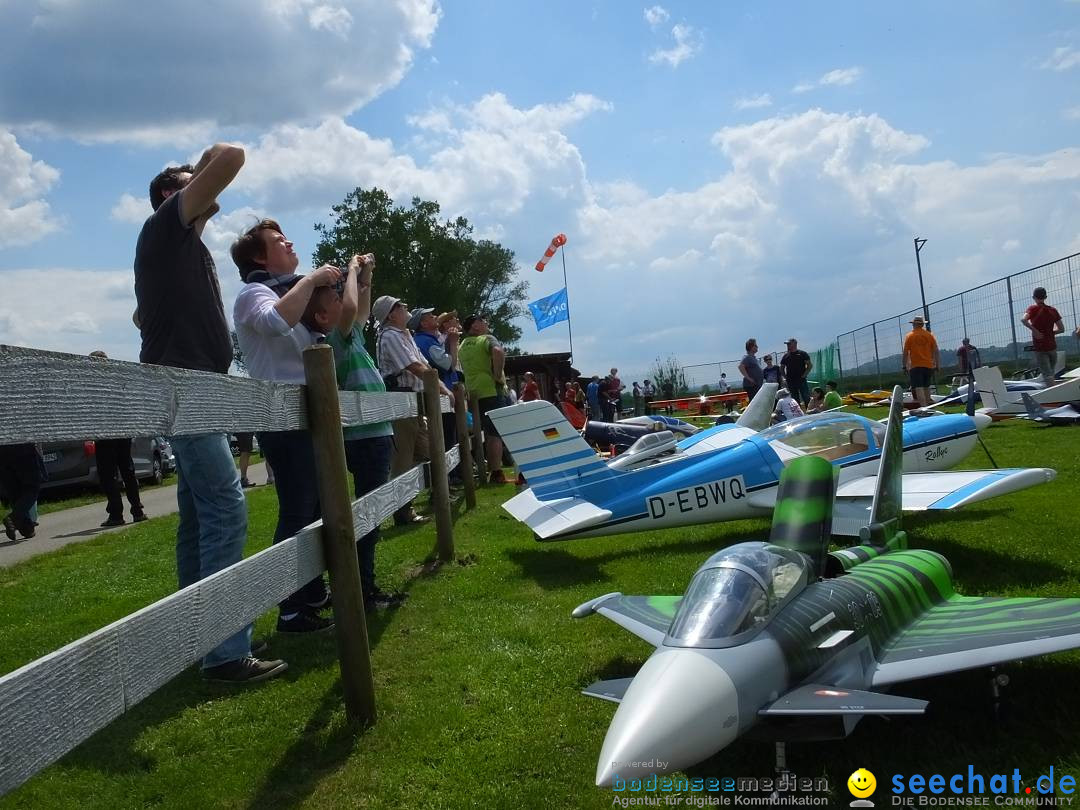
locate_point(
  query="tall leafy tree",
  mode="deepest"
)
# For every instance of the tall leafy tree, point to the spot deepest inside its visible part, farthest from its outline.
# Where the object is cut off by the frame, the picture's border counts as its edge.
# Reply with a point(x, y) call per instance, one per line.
point(669, 371)
point(426, 261)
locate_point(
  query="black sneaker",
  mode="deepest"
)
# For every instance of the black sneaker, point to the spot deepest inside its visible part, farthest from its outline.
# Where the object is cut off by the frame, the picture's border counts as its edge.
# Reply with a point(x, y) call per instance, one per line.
point(304, 623)
point(323, 603)
point(9, 527)
point(138, 517)
point(259, 646)
point(246, 670)
point(382, 600)
point(113, 521)
point(246, 484)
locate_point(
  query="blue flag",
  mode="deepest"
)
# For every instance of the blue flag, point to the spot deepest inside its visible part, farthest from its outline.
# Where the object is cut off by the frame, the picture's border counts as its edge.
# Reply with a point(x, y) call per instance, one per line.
point(550, 310)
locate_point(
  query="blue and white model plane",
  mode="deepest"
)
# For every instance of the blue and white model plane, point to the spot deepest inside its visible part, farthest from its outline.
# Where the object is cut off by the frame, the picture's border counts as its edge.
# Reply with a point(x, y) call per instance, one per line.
point(730, 472)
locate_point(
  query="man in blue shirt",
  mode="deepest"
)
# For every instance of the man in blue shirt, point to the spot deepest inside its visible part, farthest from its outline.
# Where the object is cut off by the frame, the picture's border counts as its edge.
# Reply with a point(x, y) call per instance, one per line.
point(592, 394)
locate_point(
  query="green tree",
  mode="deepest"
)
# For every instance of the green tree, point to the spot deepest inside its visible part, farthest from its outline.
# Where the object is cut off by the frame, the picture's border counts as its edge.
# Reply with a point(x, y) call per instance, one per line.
point(669, 371)
point(425, 261)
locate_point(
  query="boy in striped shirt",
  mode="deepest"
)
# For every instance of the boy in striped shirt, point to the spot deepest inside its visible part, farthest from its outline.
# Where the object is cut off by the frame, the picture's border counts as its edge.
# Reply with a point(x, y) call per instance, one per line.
point(368, 448)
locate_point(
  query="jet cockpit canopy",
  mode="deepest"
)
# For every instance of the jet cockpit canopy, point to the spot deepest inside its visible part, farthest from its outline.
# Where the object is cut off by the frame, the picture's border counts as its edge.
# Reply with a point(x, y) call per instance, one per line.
point(735, 593)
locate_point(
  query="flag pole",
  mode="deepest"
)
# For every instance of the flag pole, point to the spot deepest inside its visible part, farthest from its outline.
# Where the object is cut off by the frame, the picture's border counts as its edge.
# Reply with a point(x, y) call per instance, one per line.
point(569, 328)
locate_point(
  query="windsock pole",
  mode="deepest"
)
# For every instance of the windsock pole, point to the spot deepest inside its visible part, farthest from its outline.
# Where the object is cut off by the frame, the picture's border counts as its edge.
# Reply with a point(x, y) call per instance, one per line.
point(569, 328)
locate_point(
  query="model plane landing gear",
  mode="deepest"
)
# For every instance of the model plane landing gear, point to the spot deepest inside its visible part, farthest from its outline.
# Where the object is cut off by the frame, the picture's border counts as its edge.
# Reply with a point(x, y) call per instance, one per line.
point(998, 681)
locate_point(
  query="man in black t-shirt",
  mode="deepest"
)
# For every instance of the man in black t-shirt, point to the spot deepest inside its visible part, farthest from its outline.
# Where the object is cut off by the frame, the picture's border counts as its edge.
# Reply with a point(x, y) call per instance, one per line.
point(796, 365)
point(182, 321)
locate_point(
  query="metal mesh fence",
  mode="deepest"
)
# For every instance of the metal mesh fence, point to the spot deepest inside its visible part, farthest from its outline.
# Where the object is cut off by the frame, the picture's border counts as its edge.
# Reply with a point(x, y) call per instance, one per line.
point(989, 315)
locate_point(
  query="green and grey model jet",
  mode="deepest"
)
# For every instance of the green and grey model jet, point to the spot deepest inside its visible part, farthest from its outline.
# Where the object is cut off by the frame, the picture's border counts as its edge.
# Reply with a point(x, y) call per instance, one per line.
point(786, 632)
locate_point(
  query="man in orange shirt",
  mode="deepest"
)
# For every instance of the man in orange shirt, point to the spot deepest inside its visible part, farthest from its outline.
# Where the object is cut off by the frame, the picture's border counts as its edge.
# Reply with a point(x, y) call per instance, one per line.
point(921, 357)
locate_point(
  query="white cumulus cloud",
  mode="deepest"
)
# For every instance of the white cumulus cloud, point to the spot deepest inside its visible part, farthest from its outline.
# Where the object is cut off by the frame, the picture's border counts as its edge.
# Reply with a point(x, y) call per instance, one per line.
point(688, 41)
point(242, 64)
point(131, 209)
point(25, 216)
point(656, 15)
point(840, 77)
point(1063, 58)
point(753, 102)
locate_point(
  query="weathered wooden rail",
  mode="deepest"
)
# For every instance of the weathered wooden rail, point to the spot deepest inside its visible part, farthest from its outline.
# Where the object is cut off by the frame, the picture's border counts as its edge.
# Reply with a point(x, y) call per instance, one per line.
point(54, 703)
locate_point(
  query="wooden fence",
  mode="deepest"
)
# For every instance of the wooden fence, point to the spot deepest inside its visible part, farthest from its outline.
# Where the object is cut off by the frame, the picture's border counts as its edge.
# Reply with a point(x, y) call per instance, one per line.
point(54, 703)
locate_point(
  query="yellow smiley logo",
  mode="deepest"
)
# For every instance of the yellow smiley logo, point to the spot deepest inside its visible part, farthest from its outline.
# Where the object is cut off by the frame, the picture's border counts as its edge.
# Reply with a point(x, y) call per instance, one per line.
point(862, 783)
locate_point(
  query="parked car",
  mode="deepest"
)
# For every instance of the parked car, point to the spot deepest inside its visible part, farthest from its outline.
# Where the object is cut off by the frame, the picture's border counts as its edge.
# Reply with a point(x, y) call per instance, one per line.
point(74, 462)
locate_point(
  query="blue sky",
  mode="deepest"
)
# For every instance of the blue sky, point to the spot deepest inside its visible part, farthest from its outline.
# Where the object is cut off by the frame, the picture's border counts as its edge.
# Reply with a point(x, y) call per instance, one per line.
point(721, 170)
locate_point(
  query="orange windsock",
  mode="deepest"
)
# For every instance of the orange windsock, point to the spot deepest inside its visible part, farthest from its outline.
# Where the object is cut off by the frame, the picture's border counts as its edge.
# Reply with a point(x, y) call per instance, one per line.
point(556, 243)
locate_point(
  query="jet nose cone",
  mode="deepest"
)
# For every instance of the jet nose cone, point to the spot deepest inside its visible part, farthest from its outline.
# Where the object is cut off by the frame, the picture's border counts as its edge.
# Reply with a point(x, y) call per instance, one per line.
point(681, 708)
point(982, 421)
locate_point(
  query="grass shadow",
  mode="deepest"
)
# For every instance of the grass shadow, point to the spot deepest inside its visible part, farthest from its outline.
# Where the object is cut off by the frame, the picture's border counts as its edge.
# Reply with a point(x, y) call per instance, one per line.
point(987, 571)
point(318, 751)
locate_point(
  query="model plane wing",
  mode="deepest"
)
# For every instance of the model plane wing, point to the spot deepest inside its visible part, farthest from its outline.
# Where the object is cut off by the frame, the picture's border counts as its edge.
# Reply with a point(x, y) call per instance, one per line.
point(647, 617)
point(966, 632)
point(556, 516)
point(817, 699)
point(932, 490)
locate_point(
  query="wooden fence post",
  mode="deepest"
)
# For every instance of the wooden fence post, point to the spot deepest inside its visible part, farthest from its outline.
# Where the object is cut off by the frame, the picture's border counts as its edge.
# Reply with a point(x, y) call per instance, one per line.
point(440, 484)
point(465, 465)
point(478, 439)
point(338, 535)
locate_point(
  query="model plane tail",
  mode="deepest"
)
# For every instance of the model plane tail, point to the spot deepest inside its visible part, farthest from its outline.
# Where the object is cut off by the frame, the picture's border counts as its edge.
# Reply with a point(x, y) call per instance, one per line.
point(883, 529)
point(803, 514)
point(758, 413)
point(991, 387)
point(1034, 412)
point(552, 456)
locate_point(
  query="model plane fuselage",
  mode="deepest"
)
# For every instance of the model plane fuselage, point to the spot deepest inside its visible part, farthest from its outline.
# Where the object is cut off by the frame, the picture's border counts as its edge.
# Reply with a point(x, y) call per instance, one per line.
point(729, 473)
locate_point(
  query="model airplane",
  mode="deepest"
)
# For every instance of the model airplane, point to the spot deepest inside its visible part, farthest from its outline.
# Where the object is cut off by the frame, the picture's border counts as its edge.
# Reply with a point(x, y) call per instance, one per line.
point(730, 472)
point(1068, 414)
point(799, 642)
point(1000, 403)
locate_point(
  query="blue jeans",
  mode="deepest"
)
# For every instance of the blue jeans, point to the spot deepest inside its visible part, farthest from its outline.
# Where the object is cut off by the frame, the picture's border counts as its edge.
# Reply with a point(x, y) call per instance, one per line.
point(369, 462)
point(213, 522)
point(292, 457)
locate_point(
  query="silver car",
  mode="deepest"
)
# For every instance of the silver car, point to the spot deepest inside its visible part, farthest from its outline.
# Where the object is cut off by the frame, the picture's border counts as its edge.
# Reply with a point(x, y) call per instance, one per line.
point(74, 462)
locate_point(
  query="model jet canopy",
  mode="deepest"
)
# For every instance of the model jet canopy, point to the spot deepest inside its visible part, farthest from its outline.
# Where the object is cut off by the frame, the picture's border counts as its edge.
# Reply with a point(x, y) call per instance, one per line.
point(735, 593)
point(830, 435)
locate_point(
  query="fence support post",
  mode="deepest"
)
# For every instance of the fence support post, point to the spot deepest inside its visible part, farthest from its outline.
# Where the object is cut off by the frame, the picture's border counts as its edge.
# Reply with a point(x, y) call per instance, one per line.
point(464, 445)
point(478, 438)
point(440, 484)
point(338, 535)
point(1012, 323)
point(877, 356)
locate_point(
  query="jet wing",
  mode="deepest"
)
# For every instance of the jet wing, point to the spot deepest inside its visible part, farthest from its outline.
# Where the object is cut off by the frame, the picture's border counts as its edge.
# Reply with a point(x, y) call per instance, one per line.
point(548, 518)
point(932, 490)
point(816, 699)
point(967, 632)
point(647, 617)
point(612, 690)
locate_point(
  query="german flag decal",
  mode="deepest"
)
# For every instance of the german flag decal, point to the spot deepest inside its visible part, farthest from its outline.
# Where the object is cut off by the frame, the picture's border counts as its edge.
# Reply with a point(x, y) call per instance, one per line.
point(551, 433)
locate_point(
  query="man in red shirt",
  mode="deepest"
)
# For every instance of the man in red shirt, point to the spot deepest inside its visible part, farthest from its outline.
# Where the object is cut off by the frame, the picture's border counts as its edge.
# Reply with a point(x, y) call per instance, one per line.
point(1044, 322)
point(530, 390)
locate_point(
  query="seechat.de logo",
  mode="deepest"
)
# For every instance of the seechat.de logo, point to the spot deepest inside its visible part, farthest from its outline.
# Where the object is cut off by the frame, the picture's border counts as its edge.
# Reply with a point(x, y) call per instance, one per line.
point(862, 785)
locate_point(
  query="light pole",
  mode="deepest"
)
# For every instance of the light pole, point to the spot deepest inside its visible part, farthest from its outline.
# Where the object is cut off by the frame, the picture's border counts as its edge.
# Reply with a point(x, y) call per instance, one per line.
point(926, 312)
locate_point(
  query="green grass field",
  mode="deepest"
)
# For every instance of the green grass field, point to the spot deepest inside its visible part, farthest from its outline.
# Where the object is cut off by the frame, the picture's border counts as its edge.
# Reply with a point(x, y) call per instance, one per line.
point(478, 675)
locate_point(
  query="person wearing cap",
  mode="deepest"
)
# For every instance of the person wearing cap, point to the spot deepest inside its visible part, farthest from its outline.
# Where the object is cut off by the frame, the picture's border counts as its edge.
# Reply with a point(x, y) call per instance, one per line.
point(401, 366)
point(482, 359)
point(1044, 322)
point(786, 406)
point(267, 314)
point(449, 324)
point(921, 357)
point(796, 365)
point(441, 352)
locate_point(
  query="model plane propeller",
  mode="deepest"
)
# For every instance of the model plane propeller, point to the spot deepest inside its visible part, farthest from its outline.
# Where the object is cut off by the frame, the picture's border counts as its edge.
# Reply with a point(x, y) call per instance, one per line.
point(774, 633)
point(730, 472)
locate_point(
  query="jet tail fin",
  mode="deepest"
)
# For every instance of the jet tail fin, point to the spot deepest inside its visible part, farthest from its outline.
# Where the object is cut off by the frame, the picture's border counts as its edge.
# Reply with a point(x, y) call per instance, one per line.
point(802, 518)
point(883, 529)
point(1034, 412)
point(758, 413)
point(547, 450)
